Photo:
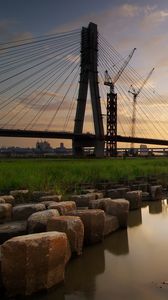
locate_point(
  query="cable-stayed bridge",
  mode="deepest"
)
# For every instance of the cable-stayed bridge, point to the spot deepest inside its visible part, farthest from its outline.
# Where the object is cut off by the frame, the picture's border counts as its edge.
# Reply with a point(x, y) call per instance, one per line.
point(53, 87)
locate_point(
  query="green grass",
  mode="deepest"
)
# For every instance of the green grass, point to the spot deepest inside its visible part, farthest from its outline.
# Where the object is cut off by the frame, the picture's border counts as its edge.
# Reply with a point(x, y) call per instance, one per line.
point(62, 175)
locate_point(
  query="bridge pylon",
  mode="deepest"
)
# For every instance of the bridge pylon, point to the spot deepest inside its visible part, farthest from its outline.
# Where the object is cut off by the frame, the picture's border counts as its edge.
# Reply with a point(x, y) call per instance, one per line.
point(89, 78)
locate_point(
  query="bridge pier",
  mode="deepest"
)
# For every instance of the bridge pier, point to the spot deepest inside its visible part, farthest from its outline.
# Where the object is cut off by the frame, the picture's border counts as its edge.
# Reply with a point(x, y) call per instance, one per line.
point(89, 77)
point(79, 144)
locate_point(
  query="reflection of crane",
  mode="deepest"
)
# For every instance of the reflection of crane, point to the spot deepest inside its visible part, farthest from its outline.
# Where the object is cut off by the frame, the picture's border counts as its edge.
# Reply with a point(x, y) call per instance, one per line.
point(135, 94)
point(111, 144)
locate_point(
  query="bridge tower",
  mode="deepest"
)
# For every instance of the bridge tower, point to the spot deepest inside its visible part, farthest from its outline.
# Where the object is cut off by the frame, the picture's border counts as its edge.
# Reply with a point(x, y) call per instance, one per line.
point(89, 78)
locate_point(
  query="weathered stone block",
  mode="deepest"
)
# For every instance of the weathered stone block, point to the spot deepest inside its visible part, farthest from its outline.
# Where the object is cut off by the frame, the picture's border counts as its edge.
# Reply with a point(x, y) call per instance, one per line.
point(122, 192)
point(23, 211)
point(111, 224)
point(1, 285)
point(9, 199)
point(5, 212)
point(93, 221)
point(144, 187)
point(74, 229)
point(21, 195)
point(34, 262)
point(98, 195)
point(156, 192)
point(36, 195)
point(54, 198)
point(145, 196)
point(135, 199)
point(48, 203)
point(38, 221)
point(112, 193)
point(12, 229)
point(118, 208)
point(83, 200)
point(97, 204)
point(2, 200)
point(63, 207)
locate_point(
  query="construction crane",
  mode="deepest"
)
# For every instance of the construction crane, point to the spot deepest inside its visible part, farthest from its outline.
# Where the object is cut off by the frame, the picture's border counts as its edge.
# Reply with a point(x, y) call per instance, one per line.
point(108, 80)
point(111, 142)
point(135, 94)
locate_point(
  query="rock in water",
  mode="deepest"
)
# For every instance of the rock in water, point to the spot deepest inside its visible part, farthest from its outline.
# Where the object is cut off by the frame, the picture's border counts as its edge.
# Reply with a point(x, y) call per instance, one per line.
point(74, 229)
point(5, 212)
point(23, 211)
point(34, 262)
point(38, 221)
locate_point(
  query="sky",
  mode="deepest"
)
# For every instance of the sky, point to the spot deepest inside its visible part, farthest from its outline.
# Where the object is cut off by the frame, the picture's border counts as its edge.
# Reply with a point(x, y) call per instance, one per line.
point(125, 24)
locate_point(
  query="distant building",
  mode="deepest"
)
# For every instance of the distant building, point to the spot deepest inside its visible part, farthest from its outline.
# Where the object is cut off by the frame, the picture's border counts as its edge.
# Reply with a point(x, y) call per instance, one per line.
point(43, 147)
point(62, 150)
point(143, 150)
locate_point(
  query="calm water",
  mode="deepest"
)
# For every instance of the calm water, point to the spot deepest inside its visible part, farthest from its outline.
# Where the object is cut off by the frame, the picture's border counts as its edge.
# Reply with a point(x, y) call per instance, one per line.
point(130, 264)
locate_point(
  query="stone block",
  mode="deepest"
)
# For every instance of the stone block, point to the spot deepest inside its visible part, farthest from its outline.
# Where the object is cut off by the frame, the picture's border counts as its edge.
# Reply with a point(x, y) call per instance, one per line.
point(93, 221)
point(118, 208)
point(12, 229)
point(156, 192)
point(5, 212)
point(135, 199)
point(24, 211)
point(2, 200)
point(63, 207)
point(54, 198)
point(98, 195)
point(36, 195)
point(21, 195)
point(122, 192)
point(112, 193)
point(144, 187)
point(9, 199)
point(111, 224)
point(34, 262)
point(145, 196)
point(74, 229)
point(97, 204)
point(48, 203)
point(38, 221)
point(83, 200)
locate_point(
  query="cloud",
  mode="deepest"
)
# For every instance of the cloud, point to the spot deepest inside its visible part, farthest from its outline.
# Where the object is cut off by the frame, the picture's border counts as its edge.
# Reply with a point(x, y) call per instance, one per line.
point(153, 18)
point(128, 10)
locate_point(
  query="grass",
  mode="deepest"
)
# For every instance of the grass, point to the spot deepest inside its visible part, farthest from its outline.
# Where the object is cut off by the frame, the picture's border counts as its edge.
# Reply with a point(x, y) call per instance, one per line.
point(64, 175)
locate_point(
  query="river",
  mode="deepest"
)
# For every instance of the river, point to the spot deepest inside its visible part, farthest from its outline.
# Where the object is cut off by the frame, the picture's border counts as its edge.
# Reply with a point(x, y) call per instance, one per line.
point(130, 264)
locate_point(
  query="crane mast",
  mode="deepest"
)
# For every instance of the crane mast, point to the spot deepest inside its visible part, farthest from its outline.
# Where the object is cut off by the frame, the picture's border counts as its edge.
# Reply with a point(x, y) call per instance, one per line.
point(135, 95)
point(111, 143)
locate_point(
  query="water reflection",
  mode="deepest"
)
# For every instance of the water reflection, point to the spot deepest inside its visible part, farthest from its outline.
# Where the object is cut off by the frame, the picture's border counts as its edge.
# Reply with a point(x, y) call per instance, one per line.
point(117, 243)
point(144, 204)
point(135, 218)
point(155, 207)
point(89, 267)
point(165, 207)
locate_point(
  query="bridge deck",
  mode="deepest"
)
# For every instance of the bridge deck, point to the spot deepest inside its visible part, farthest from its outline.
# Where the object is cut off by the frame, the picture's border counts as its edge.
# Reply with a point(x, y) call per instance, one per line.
point(71, 136)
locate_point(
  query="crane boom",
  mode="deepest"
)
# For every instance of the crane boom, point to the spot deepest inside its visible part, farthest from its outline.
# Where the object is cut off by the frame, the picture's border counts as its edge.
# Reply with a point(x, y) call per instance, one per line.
point(109, 81)
point(145, 81)
point(135, 95)
point(123, 66)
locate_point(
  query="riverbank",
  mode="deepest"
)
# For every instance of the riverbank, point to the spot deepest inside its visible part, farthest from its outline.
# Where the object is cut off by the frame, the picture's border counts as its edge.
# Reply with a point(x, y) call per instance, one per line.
point(65, 175)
